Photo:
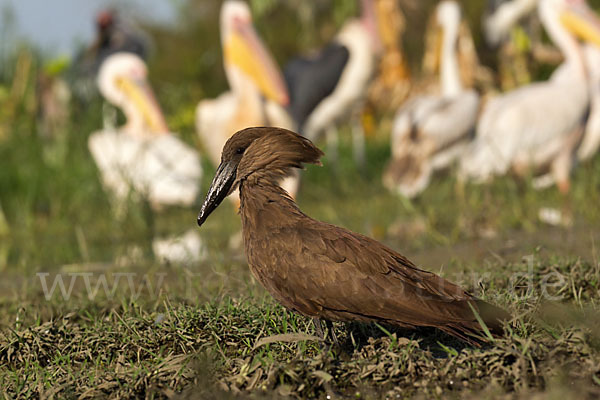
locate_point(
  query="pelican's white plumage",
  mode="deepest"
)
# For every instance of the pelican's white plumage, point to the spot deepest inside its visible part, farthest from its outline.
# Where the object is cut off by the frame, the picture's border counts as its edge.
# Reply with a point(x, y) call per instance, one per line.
point(591, 137)
point(351, 89)
point(161, 169)
point(142, 157)
point(258, 93)
point(539, 126)
point(590, 143)
point(432, 130)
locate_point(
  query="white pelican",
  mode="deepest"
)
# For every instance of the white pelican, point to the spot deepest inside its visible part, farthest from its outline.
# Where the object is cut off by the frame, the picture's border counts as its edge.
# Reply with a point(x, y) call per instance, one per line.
point(142, 156)
point(432, 130)
point(258, 93)
point(331, 85)
point(539, 126)
point(591, 137)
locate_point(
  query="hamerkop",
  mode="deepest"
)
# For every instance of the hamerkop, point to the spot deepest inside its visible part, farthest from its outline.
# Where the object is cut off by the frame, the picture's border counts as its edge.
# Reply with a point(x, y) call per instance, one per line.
point(321, 270)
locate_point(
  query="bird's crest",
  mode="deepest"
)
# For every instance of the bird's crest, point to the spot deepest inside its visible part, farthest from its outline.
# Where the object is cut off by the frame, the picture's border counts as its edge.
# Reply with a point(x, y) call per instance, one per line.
point(270, 153)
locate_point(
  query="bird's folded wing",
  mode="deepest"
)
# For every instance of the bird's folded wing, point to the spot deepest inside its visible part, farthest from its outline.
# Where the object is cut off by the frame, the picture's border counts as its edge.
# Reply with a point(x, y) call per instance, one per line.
point(368, 256)
point(323, 267)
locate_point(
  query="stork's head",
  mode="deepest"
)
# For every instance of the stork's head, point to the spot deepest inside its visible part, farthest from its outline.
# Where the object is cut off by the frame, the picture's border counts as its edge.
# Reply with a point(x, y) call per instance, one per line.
point(105, 20)
point(122, 80)
point(246, 59)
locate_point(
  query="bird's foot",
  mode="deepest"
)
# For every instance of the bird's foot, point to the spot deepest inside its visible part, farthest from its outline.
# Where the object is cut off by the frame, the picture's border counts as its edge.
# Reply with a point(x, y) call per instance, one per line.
point(333, 335)
point(321, 332)
point(318, 328)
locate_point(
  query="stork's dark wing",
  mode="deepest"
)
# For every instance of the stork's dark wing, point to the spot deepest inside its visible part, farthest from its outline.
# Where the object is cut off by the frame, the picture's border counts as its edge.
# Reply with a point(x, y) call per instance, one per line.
point(311, 79)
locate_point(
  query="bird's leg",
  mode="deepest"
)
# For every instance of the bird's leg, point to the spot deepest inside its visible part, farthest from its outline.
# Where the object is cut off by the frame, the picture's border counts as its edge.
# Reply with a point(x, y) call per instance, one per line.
point(561, 169)
point(318, 328)
point(563, 163)
point(333, 335)
point(321, 334)
point(358, 145)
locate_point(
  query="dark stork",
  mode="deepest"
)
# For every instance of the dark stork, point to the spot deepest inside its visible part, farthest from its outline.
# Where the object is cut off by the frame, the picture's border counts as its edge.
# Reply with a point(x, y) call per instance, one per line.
point(113, 35)
point(331, 85)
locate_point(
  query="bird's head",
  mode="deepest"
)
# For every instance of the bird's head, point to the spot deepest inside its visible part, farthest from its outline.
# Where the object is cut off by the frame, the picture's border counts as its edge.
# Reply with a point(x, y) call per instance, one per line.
point(407, 175)
point(259, 153)
point(122, 80)
point(246, 58)
point(574, 15)
point(448, 14)
point(105, 21)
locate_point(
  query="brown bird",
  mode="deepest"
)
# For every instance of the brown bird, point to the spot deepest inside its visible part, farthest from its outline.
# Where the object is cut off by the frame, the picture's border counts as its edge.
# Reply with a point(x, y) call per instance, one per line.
point(321, 270)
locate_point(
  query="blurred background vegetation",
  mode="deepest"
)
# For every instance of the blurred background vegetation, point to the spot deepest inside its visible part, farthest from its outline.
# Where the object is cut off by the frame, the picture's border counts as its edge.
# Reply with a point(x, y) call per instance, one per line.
point(54, 210)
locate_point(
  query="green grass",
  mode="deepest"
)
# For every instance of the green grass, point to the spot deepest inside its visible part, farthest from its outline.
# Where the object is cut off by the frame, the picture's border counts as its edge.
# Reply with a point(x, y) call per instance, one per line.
point(196, 329)
point(157, 346)
point(196, 334)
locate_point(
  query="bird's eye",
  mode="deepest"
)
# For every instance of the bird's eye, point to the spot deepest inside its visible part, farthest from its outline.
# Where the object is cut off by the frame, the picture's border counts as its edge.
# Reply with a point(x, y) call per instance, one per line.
point(240, 150)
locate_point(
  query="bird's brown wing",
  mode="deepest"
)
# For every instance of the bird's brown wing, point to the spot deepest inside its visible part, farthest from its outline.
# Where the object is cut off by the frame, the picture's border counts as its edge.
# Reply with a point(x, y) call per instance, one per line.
point(323, 270)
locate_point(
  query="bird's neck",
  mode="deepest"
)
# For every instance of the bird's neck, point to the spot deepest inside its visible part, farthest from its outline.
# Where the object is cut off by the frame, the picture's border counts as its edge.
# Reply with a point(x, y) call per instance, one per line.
point(265, 206)
point(368, 20)
point(450, 75)
point(135, 125)
point(250, 105)
point(563, 39)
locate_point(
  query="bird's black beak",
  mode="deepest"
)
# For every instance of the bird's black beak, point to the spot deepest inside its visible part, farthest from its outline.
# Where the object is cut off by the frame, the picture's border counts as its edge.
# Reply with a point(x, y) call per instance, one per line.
point(219, 189)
